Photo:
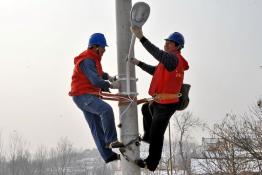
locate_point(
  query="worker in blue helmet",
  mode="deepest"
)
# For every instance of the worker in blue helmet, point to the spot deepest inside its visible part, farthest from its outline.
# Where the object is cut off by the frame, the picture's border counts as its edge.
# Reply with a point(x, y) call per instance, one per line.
point(88, 81)
point(165, 87)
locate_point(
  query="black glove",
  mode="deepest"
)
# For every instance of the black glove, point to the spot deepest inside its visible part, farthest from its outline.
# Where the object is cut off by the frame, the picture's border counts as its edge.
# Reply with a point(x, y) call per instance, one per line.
point(105, 90)
point(106, 76)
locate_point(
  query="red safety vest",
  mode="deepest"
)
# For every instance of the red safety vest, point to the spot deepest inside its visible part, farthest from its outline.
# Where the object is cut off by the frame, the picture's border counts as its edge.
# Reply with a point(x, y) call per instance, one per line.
point(80, 83)
point(165, 82)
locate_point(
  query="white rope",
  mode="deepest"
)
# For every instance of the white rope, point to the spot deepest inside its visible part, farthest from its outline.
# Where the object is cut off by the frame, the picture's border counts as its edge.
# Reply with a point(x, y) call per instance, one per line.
point(129, 105)
point(130, 54)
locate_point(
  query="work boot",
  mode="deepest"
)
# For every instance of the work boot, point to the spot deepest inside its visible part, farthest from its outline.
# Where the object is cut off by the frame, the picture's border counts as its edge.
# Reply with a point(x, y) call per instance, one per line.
point(151, 165)
point(141, 163)
point(116, 144)
point(114, 157)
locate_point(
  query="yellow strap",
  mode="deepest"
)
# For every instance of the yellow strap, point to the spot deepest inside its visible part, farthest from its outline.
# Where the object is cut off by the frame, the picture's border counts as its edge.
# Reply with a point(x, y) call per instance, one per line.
point(166, 96)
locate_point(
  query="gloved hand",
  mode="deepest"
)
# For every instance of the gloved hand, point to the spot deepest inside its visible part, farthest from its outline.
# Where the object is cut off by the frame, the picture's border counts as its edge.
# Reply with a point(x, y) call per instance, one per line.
point(106, 76)
point(134, 61)
point(137, 31)
point(111, 79)
point(105, 90)
point(115, 84)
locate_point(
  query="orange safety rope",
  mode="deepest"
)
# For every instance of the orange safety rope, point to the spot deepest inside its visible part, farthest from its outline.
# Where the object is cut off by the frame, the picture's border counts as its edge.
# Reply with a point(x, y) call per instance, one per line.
point(121, 98)
point(127, 99)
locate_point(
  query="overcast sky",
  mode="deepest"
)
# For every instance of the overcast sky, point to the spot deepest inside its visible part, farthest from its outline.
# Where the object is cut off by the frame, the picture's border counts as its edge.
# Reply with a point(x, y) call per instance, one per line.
point(39, 39)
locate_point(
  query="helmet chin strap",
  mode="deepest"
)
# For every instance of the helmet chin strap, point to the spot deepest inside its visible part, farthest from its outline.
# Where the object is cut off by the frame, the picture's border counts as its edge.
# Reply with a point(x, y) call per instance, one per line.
point(179, 47)
point(97, 51)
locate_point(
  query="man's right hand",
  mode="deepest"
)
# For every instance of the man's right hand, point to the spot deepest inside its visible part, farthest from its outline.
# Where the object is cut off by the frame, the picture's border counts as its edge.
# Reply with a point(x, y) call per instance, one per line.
point(134, 61)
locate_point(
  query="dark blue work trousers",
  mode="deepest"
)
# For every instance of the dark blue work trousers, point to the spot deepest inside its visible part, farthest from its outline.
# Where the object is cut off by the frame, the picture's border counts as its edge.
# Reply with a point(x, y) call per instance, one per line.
point(100, 118)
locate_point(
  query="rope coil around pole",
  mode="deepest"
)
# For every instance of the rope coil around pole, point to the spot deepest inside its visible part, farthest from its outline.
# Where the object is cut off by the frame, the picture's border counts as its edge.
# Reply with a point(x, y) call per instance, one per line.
point(122, 98)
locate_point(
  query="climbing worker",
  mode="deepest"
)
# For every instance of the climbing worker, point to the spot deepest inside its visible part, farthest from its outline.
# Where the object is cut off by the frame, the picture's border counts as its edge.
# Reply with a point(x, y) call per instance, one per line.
point(88, 81)
point(165, 86)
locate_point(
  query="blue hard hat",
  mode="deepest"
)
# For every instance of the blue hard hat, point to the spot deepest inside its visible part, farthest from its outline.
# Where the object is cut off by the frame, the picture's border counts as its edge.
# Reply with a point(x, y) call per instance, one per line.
point(97, 39)
point(178, 38)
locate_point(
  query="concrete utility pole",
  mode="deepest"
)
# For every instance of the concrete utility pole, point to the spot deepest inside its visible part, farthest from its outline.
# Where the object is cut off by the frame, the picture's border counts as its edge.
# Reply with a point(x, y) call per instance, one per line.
point(128, 113)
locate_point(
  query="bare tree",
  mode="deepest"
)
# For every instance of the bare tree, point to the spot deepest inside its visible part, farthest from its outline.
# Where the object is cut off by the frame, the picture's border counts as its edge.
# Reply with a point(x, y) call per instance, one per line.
point(62, 160)
point(62, 156)
point(19, 156)
point(2, 157)
point(184, 122)
point(40, 161)
point(245, 132)
point(167, 158)
point(14, 142)
point(225, 158)
point(241, 149)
